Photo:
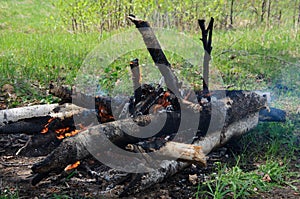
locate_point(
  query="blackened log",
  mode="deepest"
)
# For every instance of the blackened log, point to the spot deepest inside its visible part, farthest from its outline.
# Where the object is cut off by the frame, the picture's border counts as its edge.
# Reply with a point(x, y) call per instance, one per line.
point(208, 143)
point(27, 126)
point(32, 119)
point(69, 94)
point(234, 108)
point(136, 80)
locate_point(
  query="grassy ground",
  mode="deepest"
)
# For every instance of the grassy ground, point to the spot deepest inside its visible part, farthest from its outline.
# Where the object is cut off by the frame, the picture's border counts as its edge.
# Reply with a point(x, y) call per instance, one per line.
point(35, 51)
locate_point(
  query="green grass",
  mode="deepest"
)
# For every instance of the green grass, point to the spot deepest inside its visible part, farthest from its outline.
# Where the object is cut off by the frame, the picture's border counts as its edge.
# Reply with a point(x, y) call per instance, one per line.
point(233, 182)
point(270, 149)
point(35, 50)
point(9, 193)
point(249, 55)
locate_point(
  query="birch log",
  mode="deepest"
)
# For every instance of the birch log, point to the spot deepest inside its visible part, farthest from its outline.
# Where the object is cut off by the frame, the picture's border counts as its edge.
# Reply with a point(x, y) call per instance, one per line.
point(52, 110)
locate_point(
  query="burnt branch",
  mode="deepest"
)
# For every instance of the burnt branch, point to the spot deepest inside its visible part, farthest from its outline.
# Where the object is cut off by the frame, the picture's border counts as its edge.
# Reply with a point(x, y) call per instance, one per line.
point(207, 41)
point(157, 54)
point(136, 79)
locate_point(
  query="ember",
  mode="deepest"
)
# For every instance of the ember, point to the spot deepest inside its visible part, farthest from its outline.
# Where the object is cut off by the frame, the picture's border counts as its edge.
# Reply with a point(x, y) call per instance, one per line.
point(72, 166)
point(45, 129)
point(69, 134)
point(105, 114)
point(62, 131)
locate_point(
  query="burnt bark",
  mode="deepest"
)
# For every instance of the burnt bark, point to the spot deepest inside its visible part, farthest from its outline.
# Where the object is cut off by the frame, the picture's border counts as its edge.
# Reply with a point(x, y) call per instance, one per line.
point(69, 94)
point(208, 143)
point(157, 54)
point(207, 41)
point(136, 80)
point(236, 106)
point(27, 126)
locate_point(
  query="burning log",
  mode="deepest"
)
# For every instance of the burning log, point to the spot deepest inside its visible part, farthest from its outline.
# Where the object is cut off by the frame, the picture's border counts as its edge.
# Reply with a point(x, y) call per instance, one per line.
point(46, 127)
point(237, 106)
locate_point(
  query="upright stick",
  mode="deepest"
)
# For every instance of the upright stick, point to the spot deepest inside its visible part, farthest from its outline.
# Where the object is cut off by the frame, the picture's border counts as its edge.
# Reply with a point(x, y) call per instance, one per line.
point(157, 54)
point(136, 79)
point(206, 40)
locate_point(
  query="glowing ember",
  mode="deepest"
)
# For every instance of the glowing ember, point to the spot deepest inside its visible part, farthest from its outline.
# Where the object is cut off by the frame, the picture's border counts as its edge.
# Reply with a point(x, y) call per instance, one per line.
point(72, 166)
point(104, 114)
point(45, 129)
point(62, 131)
point(72, 133)
point(65, 132)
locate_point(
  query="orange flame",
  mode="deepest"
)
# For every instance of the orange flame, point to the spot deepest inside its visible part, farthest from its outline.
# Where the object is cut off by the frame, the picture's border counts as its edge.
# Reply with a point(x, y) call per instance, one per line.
point(104, 115)
point(72, 166)
point(62, 133)
point(45, 129)
point(72, 133)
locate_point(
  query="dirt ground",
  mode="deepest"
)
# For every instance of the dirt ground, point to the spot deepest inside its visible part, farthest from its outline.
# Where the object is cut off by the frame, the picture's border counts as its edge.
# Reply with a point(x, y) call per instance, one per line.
point(15, 172)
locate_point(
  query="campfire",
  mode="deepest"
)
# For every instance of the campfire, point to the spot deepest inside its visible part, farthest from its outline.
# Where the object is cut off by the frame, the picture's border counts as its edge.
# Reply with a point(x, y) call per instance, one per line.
point(60, 129)
point(68, 145)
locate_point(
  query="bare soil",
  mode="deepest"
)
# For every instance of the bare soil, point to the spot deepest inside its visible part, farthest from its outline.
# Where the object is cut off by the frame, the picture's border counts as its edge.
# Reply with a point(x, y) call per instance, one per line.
point(15, 172)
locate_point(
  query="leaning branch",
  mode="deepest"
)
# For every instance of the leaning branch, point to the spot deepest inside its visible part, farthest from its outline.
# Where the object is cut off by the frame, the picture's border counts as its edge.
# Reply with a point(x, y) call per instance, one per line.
point(157, 54)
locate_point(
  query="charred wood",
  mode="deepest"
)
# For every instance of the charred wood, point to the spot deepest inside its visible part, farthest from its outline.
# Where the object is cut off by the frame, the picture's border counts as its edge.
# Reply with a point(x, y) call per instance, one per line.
point(232, 110)
point(157, 54)
point(208, 143)
point(206, 40)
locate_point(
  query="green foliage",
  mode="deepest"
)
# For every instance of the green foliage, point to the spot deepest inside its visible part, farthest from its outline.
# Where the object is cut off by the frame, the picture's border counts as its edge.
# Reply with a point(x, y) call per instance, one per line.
point(37, 51)
point(100, 15)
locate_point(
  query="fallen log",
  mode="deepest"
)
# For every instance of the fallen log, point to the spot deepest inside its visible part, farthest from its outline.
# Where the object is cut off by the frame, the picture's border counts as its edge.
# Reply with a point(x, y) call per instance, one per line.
point(37, 111)
point(208, 143)
point(181, 151)
point(15, 114)
point(236, 106)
